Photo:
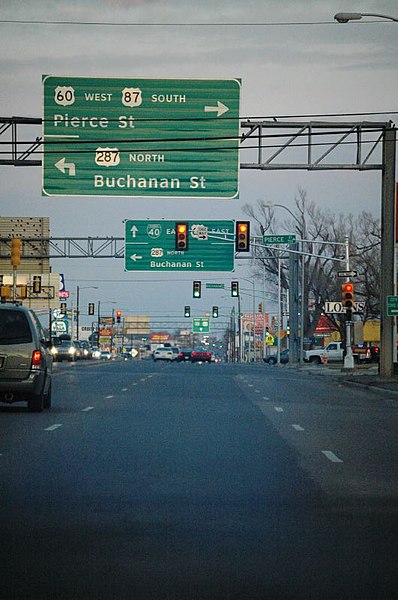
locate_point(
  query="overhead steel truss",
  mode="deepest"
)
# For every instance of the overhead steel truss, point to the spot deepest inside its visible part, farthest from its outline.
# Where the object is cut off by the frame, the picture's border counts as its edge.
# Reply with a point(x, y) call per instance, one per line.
point(66, 247)
point(277, 144)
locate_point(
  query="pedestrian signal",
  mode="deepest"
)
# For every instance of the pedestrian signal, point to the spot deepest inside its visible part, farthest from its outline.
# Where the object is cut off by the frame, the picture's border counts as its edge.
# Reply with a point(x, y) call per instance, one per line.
point(63, 308)
point(36, 284)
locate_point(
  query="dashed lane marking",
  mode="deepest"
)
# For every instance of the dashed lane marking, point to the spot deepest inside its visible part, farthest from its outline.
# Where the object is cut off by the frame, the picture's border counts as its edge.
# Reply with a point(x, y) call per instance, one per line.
point(53, 427)
point(331, 456)
point(278, 408)
point(298, 427)
point(107, 397)
point(124, 389)
point(88, 408)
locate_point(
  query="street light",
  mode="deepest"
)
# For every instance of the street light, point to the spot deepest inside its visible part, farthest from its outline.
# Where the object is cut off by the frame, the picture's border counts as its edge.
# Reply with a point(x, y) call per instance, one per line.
point(345, 17)
point(300, 225)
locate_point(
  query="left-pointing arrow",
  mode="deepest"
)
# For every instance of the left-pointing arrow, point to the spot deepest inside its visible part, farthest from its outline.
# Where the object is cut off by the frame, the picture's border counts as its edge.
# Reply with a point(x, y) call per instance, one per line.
point(135, 257)
point(62, 165)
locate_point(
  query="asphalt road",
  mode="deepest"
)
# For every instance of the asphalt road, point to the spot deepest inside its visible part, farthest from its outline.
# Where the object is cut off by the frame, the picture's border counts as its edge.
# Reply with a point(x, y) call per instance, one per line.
point(199, 482)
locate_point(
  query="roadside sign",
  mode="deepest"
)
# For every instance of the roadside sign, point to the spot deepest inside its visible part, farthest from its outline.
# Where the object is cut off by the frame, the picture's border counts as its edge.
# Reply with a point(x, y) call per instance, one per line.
point(215, 286)
point(337, 307)
point(347, 273)
point(140, 137)
point(200, 325)
point(150, 246)
point(392, 306)
point(274, 240)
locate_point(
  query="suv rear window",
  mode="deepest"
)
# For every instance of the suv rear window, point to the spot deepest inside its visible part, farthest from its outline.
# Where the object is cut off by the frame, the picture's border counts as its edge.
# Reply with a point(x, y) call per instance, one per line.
point(14, 328)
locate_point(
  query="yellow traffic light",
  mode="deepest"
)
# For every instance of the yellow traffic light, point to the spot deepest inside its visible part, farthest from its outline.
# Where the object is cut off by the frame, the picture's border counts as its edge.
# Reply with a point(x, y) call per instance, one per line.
point(16, 248)
point(242, 236)
point(181, 239)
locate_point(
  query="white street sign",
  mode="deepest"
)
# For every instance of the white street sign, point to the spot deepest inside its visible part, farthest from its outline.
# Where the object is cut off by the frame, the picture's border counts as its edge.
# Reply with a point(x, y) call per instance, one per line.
point(335, 307)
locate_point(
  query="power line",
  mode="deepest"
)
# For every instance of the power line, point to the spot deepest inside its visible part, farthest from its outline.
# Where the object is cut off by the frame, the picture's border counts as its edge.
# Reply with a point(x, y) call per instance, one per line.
point(184, 24)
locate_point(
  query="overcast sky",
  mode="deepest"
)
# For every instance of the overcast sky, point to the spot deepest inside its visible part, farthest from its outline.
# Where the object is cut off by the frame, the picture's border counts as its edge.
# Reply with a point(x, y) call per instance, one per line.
point(293, 60)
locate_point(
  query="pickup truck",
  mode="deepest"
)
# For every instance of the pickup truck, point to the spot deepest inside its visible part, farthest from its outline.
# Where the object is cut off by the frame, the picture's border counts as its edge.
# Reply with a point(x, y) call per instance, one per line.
point(334, 352)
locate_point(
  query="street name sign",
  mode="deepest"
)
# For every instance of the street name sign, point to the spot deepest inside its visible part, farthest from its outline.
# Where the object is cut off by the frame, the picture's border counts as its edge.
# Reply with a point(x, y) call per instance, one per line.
point(140, 137)
point(215, 286)
point(200, 325)
point(150, 246)
point(337, 307)
point(347, 273)
point(392, 306)
point(279, 239)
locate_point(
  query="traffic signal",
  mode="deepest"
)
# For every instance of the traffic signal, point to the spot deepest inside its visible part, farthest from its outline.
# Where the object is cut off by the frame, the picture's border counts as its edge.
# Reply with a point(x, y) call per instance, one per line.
point(91, 308)
point(260, 307)
point(235, 289)
point(215, 312)
point(347, 290)
point(36, 284)
point(181, 233)
point(16, 247)
point(242, 236)
point(118, 316)
point(63, 308)
point(197, 289)
point(187, 311)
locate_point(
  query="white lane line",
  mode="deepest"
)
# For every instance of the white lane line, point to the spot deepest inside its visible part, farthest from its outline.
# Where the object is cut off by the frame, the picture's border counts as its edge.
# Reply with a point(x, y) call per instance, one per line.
point(278, 408)
point(250, 385)
point(265, 398)
point(331, 456)
point(134, 383)
point(53, 427)
point(107, 397)
point(143, 378)
point(257, 391)
point(298, 427)
point(124, 389)
point(87, 408)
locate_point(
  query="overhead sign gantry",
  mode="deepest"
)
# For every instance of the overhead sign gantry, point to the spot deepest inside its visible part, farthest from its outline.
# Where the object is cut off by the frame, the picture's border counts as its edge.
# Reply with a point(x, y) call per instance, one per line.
point(140, 137)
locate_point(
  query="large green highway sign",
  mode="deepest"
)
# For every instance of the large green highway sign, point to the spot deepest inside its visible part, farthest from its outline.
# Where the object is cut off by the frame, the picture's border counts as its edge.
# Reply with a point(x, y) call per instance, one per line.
point(150, 246)
point(200, 325)
point(140, 137)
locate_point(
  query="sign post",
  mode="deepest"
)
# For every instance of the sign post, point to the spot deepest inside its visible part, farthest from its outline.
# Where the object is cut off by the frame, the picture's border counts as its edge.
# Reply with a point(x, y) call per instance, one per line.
point(141, 137)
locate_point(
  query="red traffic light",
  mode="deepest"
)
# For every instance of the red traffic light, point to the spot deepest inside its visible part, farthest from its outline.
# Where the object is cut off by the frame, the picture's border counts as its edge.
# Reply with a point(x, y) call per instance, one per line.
point(347, 290)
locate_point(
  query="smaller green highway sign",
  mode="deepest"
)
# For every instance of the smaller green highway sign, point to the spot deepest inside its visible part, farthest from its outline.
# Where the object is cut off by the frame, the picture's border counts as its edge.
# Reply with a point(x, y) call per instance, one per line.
point(150, 246)
point(215, 286)
point(392, 306)
point(200, 325)
point(279, 239)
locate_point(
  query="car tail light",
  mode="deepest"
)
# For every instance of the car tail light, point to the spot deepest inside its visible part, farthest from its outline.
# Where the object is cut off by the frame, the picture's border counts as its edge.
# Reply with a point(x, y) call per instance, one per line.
point(193, 353)
point(36, 359)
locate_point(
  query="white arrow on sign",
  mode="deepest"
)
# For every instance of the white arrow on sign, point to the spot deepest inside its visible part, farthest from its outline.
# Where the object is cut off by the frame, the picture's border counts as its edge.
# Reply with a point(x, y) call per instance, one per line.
point(220, 109)
point(62, 165)
point(135, 257)
point(134, 230)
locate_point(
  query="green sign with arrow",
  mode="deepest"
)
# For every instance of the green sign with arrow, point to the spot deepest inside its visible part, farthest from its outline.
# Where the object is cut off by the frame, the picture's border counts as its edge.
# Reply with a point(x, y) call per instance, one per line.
point(140, 137)
point(150, 246)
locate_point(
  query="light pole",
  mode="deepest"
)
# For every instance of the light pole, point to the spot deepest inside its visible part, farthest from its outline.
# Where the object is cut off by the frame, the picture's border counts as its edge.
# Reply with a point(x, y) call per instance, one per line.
point(300, 226)
point(344, 17)
point(78, 288)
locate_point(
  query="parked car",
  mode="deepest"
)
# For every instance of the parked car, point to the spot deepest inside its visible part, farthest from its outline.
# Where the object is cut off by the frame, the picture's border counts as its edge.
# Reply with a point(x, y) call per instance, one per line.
point(200, 355)
point(184, 355)
point(272, 359)
point(63, 350)
point(163, 353)
point(25, 360)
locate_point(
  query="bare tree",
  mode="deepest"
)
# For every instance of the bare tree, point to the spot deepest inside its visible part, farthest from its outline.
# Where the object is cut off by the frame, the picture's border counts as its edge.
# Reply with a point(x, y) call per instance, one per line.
point(321, 256)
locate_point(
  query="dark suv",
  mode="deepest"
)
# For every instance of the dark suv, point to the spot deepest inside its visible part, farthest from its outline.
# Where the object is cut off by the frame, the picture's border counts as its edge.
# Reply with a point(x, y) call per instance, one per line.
point(25, 360)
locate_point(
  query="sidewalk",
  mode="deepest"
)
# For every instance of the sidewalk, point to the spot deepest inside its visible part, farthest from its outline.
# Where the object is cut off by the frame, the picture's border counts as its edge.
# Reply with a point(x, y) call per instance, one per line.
point(362, 377)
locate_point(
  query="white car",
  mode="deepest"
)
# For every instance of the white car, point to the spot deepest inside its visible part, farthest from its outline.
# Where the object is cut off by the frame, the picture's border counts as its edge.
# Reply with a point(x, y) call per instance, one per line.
point(163, 354)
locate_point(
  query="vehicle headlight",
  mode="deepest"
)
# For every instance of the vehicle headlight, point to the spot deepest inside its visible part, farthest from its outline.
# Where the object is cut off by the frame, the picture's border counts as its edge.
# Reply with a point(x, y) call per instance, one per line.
point(54, 350)
point(72, 350)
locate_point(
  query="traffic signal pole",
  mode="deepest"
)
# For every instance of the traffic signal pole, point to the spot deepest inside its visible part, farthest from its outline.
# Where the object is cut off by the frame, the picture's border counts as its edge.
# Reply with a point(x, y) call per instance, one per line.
point(349, 357)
